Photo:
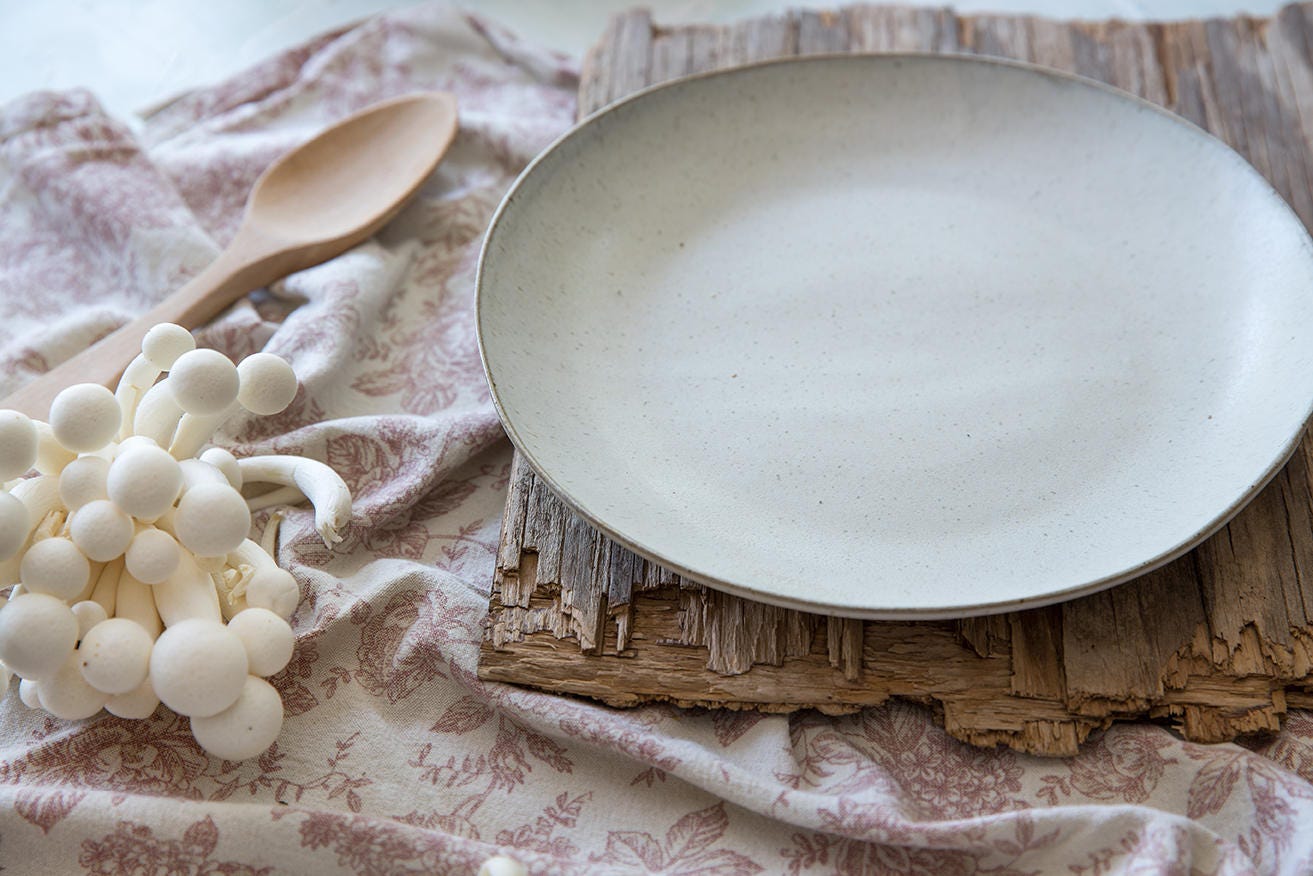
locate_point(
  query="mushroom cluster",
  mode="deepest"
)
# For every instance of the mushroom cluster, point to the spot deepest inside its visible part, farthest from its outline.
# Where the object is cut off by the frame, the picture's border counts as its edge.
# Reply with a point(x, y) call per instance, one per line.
point(134, 581)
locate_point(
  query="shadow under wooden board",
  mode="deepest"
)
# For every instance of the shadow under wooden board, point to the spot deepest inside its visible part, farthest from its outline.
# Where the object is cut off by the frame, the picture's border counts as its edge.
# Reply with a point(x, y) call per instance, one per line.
point(1218, 642)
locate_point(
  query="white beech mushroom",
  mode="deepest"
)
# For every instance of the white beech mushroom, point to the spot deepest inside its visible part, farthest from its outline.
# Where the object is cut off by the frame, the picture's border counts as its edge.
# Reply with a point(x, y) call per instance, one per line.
point(266, 386)
point(89, 613)
point(198, 667)
point(267, 638)
point(160, 348)
point(211, 520)
point(204, 383)
point(83, 480)
point(269, 586)
point(115, 655)
point(152, 556)
point(85, 417)
point(67, 695)
point(101, 531)
point(325, 489)
point(37, 634)
point(55, 566)
point(246, 728)
point(150, 545)
point(136, 704)
point(18, 444)
point(144, 481)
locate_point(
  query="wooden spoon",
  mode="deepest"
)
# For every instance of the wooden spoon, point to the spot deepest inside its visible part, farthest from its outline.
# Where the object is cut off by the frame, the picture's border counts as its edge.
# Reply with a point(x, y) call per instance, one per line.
point(314, 203)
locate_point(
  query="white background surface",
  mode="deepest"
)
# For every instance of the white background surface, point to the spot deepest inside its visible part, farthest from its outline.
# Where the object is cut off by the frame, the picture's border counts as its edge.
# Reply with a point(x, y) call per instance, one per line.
point(136, 53)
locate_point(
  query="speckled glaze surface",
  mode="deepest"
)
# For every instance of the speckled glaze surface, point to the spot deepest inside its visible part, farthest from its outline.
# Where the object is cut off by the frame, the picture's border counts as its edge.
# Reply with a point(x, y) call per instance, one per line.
point(898, 336)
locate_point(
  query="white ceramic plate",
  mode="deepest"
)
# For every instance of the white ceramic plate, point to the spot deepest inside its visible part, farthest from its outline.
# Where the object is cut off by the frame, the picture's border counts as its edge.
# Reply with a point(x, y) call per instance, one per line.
point(898, 336)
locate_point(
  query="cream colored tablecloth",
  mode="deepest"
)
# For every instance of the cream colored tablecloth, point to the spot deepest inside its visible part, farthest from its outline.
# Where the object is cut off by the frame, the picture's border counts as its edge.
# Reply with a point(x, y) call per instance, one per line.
point(394, 757)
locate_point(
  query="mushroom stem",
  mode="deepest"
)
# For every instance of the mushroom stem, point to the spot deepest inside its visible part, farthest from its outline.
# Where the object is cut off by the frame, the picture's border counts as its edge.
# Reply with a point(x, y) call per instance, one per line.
point(137, 603)
point(137, 379)
point(158, 414)
point(40, 496)
point(269, 542)
point(186, 594)
point(51, 456)
point(263, 584)
point(320, 484)
point(107, 586)
point(196, 430)
point(276, 496)
point(93, 581)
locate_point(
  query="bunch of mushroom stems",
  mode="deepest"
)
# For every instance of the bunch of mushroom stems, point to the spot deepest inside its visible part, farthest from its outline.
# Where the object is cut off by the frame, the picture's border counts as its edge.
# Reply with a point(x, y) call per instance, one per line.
point(134, 580)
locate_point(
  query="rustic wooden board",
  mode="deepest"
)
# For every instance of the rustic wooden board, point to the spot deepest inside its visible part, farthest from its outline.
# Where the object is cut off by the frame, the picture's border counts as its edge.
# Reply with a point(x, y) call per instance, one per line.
point(1218, 642)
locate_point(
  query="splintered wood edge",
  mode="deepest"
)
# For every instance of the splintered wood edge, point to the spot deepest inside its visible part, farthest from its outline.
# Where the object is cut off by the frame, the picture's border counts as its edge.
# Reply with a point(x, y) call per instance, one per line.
point(1218, 643)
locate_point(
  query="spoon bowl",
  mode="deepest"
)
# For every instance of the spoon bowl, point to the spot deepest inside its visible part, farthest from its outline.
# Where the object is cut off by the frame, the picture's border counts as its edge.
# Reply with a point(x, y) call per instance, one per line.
point(317, 201)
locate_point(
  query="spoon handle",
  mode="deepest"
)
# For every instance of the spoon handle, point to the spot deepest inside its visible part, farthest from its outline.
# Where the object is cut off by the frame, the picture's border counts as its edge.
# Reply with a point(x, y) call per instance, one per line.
point(234, 273)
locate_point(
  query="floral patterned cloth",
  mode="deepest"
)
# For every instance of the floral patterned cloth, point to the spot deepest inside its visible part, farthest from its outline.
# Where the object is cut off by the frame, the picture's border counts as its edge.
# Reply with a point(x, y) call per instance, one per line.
point(394, 757)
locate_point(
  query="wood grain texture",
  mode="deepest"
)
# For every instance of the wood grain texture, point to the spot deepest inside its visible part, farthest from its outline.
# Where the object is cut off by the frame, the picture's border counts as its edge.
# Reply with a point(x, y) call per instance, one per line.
point(1219, 643)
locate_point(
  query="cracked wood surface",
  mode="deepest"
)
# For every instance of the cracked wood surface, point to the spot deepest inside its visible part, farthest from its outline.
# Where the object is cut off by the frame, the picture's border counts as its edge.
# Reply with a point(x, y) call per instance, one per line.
point(1218, 642)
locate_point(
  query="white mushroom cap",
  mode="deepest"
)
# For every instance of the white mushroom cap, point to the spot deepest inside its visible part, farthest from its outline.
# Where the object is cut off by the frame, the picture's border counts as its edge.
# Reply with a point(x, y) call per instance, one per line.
point(268, 384)
point(247, 728)
point(203, 382)
point(29, 694)
point(115, 655)
point(101, 530)
point(37, 633)
point(88, 613)
point(15, 523)
point(85, 417)
point(164, 343)
point(136, 704)
point(226, 463)
point(502, 865)
point(144, 481)
point(212, 520)
point(67, 695)
point(136, 441)
point(82, 481)
point(268, 640)
point(152, 556)
point(198, 667)
point(274, 589)
point(196, 472)
point(54, 566)
point(18, 440)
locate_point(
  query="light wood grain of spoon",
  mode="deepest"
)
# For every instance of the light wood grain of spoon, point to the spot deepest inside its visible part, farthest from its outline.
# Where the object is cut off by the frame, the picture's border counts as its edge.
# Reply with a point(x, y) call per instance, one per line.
point(314, 203)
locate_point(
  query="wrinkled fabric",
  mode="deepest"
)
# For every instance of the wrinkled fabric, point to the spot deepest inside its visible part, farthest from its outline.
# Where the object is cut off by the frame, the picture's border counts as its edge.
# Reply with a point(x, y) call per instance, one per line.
point(394, 757)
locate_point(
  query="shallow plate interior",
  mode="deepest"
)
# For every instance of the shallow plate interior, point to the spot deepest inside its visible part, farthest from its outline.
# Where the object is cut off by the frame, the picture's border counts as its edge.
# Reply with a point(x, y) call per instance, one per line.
point(898, 336)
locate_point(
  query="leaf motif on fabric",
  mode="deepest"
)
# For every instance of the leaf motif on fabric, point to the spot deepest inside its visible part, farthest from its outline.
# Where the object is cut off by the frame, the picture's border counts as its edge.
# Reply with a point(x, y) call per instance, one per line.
point(1212, 785)
point(45, 809)
point(463, 716)
point(685, 849)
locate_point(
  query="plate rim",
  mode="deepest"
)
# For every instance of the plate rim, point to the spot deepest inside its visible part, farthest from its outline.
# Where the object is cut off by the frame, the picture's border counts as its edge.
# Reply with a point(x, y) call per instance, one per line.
point(1086, 588)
